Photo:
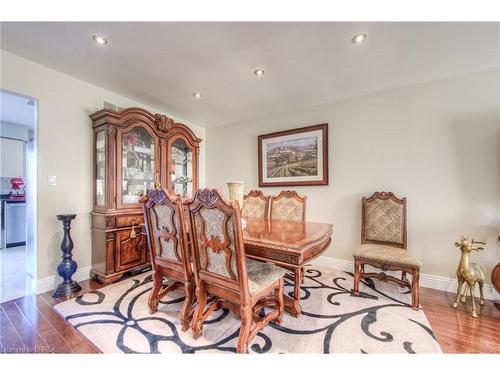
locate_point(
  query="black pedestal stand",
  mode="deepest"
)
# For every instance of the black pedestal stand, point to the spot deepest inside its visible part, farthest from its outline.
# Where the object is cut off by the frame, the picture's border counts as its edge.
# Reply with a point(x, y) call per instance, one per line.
point(68, 266)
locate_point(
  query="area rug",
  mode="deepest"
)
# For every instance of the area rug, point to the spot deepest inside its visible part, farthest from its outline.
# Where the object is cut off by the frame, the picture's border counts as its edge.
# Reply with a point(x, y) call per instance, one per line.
point(116, 319)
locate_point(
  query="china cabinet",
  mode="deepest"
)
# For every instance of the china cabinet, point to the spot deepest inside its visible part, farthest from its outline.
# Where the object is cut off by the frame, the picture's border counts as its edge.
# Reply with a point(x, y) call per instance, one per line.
point(134, 151)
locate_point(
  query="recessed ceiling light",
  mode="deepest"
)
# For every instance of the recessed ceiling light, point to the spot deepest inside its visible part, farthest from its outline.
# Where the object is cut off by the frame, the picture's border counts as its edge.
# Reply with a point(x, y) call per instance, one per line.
point(258, 72)
point(100, 40)
point(359, 38)
point(197, 95)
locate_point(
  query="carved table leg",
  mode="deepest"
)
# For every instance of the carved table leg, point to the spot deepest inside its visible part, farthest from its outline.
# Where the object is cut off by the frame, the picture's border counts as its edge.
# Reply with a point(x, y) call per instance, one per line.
point(293, 304)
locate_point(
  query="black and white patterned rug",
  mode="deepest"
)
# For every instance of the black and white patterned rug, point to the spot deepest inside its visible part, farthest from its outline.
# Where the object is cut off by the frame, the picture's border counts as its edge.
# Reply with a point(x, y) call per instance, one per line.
point(116, 319)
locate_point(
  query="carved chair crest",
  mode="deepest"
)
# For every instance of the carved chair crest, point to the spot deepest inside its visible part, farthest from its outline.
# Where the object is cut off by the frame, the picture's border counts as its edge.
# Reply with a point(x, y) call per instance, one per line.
point(255, 194)
point(208, 197)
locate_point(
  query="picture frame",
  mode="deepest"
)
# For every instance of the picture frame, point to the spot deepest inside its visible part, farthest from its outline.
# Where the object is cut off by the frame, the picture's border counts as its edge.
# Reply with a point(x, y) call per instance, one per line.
point(295, 157)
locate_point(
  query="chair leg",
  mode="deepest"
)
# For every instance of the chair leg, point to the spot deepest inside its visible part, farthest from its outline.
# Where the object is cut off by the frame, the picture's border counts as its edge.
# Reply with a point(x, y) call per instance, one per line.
point(280, 301)
point(357, 275)
point(201, 302)
point(415, 291)
point(153, 296)
point(246, 324)
point(187, 306)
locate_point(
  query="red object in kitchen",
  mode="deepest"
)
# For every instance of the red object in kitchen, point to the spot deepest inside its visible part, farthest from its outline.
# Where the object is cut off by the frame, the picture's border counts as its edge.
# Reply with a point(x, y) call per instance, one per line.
point(16, 188)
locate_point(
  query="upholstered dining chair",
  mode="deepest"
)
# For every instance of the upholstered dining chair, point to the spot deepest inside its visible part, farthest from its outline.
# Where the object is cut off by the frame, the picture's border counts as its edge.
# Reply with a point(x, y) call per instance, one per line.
point(384, 243)
point(288, 205)
point(255, 205)
point(169, 251)
point(222, 271)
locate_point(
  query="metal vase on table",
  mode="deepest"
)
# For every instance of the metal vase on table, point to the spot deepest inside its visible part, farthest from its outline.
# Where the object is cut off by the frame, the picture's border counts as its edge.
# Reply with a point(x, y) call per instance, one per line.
point(236, 191)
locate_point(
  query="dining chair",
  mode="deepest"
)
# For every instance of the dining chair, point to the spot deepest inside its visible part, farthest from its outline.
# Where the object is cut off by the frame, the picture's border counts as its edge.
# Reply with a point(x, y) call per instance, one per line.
point(288, 205)
point(222, 271)
point(384, 243)
point(255, 205)
point(169, 251)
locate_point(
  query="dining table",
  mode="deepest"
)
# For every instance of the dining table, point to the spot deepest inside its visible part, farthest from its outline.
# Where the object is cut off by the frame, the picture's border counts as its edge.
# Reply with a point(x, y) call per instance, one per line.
point(289, 244)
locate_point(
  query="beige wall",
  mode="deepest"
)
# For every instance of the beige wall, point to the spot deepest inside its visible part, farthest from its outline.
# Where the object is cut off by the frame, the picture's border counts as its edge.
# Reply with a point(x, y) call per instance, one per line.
point(65, 150)
point(436, 143)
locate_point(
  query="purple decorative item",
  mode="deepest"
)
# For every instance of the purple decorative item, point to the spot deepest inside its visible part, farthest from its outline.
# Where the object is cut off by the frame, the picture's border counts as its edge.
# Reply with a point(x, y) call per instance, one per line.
point(68, 266)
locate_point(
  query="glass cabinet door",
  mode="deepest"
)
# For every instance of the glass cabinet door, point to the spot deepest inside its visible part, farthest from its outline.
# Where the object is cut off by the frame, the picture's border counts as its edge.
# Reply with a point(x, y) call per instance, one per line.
point(138, 164)
point(181, 168)
point(100, 168)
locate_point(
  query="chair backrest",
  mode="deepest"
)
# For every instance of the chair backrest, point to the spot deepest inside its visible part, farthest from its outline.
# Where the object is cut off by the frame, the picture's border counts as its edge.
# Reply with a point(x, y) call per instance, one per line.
point(288, 205)
point(383, 220)
point(217, 242)
point(255, 205)
point(166, 230)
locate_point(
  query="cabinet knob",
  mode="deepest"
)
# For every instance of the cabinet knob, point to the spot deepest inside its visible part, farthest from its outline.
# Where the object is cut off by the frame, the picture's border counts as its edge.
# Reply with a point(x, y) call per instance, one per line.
point(132, 232)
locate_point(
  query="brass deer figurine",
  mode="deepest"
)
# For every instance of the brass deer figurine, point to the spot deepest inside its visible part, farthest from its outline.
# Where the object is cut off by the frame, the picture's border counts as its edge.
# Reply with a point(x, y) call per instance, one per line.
point(468, 274)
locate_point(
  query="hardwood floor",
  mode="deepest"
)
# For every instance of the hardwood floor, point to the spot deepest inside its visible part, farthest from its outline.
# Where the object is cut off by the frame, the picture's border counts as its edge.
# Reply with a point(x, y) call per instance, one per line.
point(455, 329)
point(30, 324)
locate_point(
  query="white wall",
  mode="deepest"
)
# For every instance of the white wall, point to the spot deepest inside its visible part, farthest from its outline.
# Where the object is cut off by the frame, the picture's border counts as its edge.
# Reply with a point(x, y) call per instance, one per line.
point(65, 150)
point(436, 143)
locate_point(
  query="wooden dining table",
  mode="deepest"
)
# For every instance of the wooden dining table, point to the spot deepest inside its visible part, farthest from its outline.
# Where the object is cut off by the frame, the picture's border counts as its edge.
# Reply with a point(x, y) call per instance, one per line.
point(289, 244)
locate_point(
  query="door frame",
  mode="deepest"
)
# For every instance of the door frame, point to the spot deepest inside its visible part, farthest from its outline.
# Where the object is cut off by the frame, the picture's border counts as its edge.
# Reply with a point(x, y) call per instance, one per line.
point(31, 177)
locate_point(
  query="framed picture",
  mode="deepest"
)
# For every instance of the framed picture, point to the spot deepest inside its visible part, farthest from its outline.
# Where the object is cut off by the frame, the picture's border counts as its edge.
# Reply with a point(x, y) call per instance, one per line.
point(296, 157)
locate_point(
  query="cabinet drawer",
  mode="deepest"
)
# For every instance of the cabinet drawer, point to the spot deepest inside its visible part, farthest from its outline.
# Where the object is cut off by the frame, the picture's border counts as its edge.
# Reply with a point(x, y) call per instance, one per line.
point(126, 221)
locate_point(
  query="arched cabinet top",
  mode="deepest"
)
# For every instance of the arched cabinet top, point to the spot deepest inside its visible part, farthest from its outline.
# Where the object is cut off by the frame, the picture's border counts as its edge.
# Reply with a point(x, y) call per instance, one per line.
point(163, 126)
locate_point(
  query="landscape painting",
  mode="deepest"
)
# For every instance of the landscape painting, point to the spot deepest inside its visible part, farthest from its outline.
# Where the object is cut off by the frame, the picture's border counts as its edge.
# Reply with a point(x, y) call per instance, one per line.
point(294, 157)
point(297, 157)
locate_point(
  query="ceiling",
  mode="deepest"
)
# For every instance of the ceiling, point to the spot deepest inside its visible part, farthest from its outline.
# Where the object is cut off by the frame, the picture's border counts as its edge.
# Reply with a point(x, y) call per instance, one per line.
point(163, 64)
point(17, 109)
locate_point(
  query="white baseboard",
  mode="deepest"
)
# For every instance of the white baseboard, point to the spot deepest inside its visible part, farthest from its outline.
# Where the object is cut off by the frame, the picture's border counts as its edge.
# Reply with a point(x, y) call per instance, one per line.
point(427, 281)
point(50, 283)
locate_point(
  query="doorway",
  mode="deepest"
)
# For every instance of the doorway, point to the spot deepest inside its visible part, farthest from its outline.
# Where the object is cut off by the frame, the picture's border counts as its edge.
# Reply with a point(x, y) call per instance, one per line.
point(18, 195)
